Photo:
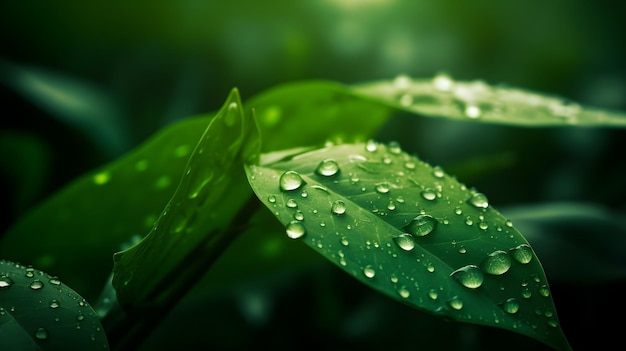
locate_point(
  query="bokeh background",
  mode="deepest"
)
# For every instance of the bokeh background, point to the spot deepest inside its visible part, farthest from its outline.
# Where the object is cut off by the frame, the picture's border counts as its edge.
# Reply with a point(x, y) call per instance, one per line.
point(81, 83)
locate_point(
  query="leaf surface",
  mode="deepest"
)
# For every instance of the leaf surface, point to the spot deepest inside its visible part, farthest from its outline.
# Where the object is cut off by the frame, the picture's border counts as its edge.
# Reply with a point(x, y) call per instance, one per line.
point(478, 101)
point(39, 312)
point(413, 233)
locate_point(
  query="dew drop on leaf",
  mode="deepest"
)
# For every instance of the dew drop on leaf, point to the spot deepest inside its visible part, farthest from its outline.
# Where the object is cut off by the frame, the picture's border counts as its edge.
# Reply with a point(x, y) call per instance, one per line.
point(469, 276)
point(55, 281)
point(404, 292)
point(290, 180)
point(327, 168)
point(438, 172)
point(432, 294)
point(369, 271)
point(382, 188)
point(472, 111)
point(371, 146)
point(5, 282)
point(405, 241)
point(295, 230)
point(429, 194)
point(421, 225)
point(41, 334)
point(456, 303)
point(511, 305)
point(291, 203)
point(478, 200)
point(522, 253)
point(443, 82)
point(54, 304)
point(496, 263)
point(338, 207)
point(36, 284)
point(394, 147)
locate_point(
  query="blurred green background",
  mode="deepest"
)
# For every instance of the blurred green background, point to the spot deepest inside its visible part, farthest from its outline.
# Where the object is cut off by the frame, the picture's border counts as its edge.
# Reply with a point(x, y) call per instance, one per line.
point(82, 83)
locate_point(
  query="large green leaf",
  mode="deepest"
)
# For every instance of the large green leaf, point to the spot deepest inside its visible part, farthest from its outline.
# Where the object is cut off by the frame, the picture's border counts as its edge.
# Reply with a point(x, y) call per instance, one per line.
point(478, 101)
point(413, 233)
point(209, 195)
point(39, 312)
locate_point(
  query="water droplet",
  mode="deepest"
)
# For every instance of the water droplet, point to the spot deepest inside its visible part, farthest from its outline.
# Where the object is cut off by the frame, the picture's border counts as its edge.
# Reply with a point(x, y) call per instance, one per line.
point(469, 276)
point(526, 293)
point(271, 199)
point(544, 291)
point(421, 225)
point(510, 305)
point(41, 334)
point(55, 281)
point(290, 181)
point(402, 82)
point(405, 241)
point(394, 147)
point(369, 271)
point(409, 165)
point(291, 203)
point(496, 263)
point(430, 268)
point(393, 278)
point(36, 284)
point(298, 215)
point(5, 282)
point(54, 304)
point(442, 82)
point(438, 172)
point(80, 317)
point(483, 225)
point(30, 272)
point(478, 200)
point(472, 110)
point(382, 188)
point(295, 230)
point(101, 178)
point(432, 294)
point(327, 168)
point(338, 207)
point(345, 241)
point(458, 210)
point(404, 292)
point(462, 249)
point(371, 146)
point(391, 206)
point(429, 194)
point(456, 303)
point(522, 253)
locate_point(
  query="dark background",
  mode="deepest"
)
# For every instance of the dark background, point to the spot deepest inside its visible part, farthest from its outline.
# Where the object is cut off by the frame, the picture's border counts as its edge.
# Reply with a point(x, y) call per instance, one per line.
point(139, 67)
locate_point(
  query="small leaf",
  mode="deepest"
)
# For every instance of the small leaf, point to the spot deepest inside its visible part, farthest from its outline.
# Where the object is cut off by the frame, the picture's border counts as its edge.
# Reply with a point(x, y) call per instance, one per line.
point(39, 312)
point(413, 233)
point(209, 195)
point(478, 101)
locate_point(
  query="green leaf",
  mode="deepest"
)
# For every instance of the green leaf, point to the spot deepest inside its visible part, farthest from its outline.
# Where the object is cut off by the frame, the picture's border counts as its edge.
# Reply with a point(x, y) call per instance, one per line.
point(313, 112)
point(198, 216)
point(413, 233)
point(91, 217)
point(478, 101)
point(39, 312)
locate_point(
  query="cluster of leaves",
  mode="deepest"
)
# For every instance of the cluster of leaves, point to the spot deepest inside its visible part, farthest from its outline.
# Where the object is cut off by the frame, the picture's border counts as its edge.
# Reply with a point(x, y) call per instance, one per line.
point(189, 201)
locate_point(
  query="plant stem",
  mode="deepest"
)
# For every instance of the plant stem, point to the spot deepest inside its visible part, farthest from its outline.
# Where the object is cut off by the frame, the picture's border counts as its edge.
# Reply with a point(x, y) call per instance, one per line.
point(129, 328)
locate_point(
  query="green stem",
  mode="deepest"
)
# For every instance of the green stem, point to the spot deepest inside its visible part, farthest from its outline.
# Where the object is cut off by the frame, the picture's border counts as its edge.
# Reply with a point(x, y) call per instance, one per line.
point(127, 329)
